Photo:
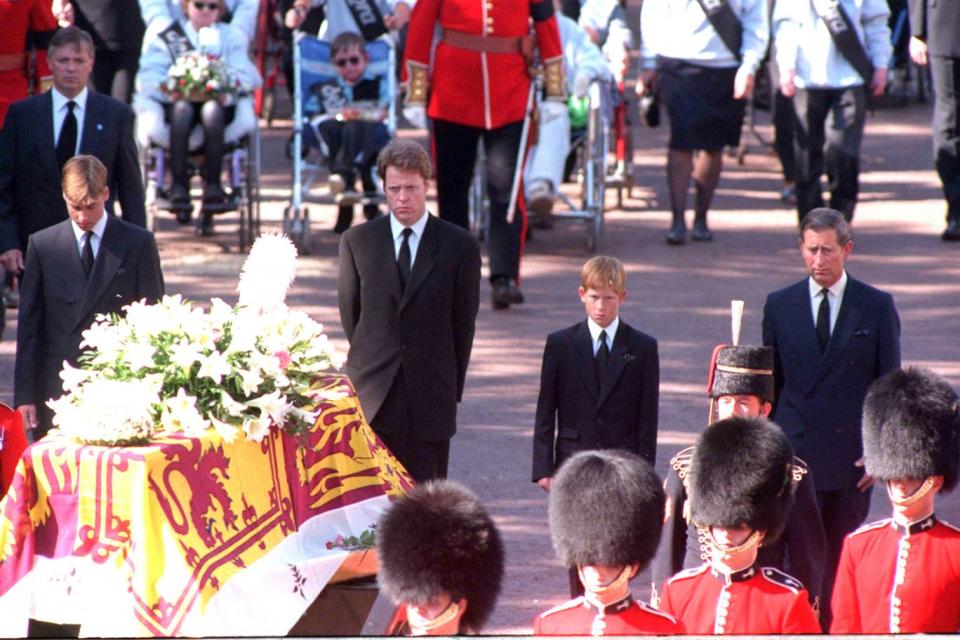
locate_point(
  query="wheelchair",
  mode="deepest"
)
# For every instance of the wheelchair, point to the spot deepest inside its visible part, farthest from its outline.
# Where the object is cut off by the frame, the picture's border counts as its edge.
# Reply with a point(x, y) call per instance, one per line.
point(312, 64)
point(241, 160)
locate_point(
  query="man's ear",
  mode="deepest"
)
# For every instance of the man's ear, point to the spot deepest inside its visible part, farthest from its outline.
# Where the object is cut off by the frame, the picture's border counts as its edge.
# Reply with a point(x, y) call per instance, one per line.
point(765, 409)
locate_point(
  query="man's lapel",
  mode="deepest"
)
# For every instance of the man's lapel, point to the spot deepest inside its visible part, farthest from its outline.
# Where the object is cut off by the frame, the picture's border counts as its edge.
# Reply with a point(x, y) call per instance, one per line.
point(615, 364)
point(809, 355)
point(105, 268)
point(423, 263)
point(583, 350)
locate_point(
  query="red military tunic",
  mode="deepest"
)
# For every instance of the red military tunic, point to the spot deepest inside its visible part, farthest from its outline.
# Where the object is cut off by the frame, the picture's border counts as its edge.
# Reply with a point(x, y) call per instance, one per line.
point(16, 18)
point(753, 601)
point(483, 90)
point(894, 580)
point(624, 618)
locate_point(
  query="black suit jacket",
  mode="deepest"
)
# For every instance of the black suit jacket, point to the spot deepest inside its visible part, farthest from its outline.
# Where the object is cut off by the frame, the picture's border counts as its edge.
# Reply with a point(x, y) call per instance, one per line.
point(820, 397)
point(30, 195)
point(427, 329)
point(58, 302)
point(937, 22)
point(575, 413)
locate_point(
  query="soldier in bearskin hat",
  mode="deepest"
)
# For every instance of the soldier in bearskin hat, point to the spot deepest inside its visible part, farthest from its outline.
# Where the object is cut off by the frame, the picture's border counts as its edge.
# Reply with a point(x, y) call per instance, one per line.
point(902, 574)
point(441, 560)
point(741, 384)
point(605, 511)
point(741, 492)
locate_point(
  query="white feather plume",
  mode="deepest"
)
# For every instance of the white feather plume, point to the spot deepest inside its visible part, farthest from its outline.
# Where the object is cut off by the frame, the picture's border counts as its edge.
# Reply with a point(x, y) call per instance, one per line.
point(268, 272)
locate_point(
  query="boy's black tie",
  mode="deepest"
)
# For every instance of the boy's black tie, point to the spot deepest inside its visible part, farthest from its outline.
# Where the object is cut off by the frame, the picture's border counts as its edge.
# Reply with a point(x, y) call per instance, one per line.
point(603, 354)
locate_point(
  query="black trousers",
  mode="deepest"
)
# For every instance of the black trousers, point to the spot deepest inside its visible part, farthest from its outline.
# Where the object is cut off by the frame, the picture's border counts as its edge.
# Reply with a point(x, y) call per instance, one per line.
point(842, 511)
point(423, 460)
point(829, 131)
point(455, 149)
point(114, 72)
point(353, 148)
point(783, 126)
point(946, 129)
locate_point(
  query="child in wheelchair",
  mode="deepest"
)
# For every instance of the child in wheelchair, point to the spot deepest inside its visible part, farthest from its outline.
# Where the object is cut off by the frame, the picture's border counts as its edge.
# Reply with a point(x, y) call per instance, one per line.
point(346, 114)
point(203, 119)
point(546, 160)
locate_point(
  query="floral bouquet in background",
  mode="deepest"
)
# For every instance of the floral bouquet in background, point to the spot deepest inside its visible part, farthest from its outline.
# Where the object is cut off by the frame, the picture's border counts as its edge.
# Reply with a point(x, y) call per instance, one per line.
point(200, 77)
point(173, 367)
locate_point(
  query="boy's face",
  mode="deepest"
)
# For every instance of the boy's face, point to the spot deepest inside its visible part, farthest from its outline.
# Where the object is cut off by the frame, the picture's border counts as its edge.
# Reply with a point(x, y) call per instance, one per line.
point(601, 304)
point(351, 62)
point(744, 406)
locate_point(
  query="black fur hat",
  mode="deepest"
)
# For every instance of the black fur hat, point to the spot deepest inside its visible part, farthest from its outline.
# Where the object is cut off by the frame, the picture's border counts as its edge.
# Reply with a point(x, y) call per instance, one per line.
point(439, 538)
point(606, 507)
point(741, 473)
point(910, 424)
point(743, 370)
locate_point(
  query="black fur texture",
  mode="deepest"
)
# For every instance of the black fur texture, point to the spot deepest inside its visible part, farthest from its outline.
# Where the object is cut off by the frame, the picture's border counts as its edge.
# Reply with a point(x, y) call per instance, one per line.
point(727, 383)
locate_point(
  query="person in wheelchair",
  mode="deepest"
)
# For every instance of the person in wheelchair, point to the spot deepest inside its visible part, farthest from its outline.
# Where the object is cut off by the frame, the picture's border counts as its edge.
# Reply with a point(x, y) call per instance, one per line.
point(348, 113)
point(206, 120)
point(546, 159)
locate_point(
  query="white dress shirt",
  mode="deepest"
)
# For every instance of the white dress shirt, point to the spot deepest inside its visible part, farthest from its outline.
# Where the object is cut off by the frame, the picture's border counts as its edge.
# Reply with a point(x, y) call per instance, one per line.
point(60, 113)
point(595, 330)
point(396, 228)
point(834, 299)
point(96, 235)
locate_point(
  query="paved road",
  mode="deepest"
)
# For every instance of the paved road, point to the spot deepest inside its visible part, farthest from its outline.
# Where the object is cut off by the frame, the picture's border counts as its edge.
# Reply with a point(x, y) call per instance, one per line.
point(678, 294)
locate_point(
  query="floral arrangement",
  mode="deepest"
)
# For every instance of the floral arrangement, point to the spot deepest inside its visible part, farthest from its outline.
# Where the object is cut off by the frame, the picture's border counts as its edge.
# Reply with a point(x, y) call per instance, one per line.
point(174, 367)
point(201, 76)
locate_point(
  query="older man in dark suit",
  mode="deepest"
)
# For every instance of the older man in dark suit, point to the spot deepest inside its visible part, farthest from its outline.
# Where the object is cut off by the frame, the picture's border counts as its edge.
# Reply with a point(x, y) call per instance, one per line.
point(408, 293)
point(833, 335)
point(934, 27)
point(90, 264)
point(41, 133)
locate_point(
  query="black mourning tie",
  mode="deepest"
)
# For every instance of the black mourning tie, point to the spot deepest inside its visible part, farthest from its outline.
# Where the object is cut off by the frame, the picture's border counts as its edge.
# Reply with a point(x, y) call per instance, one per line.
point(823, 320)
point(403, 260)
point(86, 256)
point(67, 144)
point(603, 354)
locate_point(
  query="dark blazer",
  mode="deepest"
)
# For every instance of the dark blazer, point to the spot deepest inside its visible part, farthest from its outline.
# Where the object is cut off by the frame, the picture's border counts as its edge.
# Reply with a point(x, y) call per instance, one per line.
point(58, 302)
point(820, 397)
point(30, 195)
point(937, 22)
point(427, 329)
point(575, 413)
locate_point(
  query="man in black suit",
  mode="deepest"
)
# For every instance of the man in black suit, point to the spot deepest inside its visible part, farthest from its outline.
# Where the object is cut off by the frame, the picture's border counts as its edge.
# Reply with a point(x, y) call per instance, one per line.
point(408, 293)
point(90, 264)
point(934, 27)
point(600, 381)
point(42, 132)
point(833, 335)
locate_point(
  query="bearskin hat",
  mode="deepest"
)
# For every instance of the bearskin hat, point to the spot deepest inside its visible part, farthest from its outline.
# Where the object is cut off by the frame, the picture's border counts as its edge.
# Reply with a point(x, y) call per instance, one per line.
point(606, 507)
point(742, 370)
point(910, 425)
point(741, 473)
point(439, 538)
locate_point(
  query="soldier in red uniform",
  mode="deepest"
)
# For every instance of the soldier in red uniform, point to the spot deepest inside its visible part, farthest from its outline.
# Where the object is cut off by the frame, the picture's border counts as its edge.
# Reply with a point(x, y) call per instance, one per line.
point(478, 88)
point(16, 19)
point(441, 561)
point(740, 492)
point(902, 574)
point(605, 513)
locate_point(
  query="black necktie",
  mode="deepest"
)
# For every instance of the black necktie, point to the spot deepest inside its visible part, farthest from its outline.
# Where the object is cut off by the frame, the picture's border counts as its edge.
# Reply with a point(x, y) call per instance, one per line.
point(86, 256)
point(67, 144)
point(403, 260)
point(603, 354)
point(823, 320)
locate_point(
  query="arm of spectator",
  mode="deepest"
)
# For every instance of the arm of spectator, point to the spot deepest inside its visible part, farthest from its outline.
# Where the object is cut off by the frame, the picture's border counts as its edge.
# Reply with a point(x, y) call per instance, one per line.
point(587, 60)
point(875, 16)
point(237, 56)
point(399, 15)
point(154, 63)
point(245, 17)
point(653, 17)
point(756, 37)
point(786, 36)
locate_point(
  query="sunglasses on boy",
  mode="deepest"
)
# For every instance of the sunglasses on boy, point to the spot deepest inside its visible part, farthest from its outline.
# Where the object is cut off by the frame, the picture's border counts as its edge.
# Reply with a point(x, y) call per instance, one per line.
point(352, 60)
point(212, 6)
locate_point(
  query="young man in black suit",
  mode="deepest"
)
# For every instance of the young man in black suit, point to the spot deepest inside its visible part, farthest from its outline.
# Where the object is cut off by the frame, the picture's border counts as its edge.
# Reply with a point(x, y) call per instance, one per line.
point(408, 293)
point(90, 264)
point(832, 336)
point(42, 132)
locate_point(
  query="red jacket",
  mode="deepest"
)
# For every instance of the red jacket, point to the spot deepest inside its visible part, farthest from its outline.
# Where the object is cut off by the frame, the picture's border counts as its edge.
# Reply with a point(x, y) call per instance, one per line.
point(625, 618)
point(484, 90)
point(872, 596)
point(753, 601)
point(16, 19)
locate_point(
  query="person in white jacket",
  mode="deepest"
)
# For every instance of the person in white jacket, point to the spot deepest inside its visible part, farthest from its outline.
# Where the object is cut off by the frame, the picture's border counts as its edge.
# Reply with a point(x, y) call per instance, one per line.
point(160, 13)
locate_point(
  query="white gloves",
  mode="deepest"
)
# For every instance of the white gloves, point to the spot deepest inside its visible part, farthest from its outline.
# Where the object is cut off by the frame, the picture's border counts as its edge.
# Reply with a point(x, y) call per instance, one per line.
point(416, 114)
point(581, 84)
point(552, 110)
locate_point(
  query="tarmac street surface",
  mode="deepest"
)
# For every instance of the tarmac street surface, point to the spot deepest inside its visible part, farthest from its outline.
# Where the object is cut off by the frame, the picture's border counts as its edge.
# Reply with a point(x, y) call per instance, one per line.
point(680, 295)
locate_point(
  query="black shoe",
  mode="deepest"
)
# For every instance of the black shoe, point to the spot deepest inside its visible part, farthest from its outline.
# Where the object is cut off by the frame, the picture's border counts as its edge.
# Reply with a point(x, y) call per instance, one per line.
point(952, 232)
point(179, 202)
point(514, 293)
point(677, 234)
point(700, 232)
point(205, 224)
point(500, 296)
point(215, 199)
